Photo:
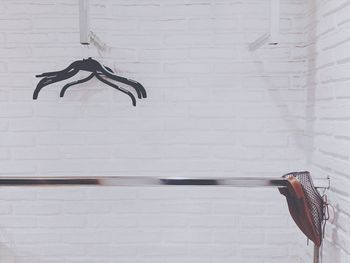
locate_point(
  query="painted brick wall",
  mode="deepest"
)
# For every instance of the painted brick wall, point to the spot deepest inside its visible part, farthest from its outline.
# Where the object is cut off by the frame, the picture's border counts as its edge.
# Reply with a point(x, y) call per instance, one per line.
point(214, 109)
point(328, 103)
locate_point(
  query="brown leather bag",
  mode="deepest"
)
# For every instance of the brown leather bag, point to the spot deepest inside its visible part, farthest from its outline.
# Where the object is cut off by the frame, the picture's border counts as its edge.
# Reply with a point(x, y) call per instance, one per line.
point(305, 204)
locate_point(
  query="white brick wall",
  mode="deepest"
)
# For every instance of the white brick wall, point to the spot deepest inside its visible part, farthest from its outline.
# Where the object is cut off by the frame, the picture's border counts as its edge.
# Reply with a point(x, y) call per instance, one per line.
point(328, 113)
point(214, 109)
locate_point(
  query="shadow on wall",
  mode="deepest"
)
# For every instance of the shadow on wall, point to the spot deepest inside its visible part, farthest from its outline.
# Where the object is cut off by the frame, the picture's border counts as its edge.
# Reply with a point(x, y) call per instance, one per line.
point(7, 255)
point(291, 119)
point(334, 245)
point(7, 252)
point(310, 83)
point(8, 248)
point(334, 236)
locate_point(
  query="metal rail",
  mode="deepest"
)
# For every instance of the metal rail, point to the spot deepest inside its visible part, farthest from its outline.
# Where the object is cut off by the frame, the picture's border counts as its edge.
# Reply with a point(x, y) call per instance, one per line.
point(156, 181)
point(150, 181)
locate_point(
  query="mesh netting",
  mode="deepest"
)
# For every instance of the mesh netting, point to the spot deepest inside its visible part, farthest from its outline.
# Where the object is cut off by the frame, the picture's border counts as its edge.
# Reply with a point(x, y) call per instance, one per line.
point(313, 199)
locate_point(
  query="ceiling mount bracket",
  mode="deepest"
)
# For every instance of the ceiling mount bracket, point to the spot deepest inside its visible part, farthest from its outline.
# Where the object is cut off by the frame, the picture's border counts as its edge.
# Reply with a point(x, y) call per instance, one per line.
point(271, 37)
point(84, 22)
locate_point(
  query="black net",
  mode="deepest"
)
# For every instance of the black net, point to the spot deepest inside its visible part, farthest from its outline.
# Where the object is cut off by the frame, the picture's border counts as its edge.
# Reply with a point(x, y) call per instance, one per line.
point(313, 199)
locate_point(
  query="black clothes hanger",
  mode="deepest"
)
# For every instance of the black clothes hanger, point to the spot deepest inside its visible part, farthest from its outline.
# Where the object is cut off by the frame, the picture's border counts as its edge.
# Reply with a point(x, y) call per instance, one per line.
point(98, 71)
point(80, 81)
point(65, 87)
point(94, 66)
point(49, 80)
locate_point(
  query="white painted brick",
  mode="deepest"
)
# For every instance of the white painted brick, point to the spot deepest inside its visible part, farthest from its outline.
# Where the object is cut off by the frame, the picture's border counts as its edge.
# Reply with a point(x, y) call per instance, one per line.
point(3, 95)
point(136, 10)
point(61, 194)
point(228, 9)
point(83, 207)
point(213, 25)
point(190, 259)
point(213, 111)
point(4, 125)
point(123, 193)
point(218, 251)
point(192, 10)
point(59, 138)
point(29, 67)
point(185, 237)
point(14, 24)
point(159, 54)
point(50, 250)
point(238, 237)
point(115, 221)
point(328, 132)
point(11, 110)
point(16, 139)
point(234, 152)
point(91, 152)
point(214, 108)
point(168, 25)
point(237, 67)
point(155, 193)
point(32, 9)
point(134, 236)
point(36, 237)
point(42, 153)
point(112, 251)
point(5, 209)
point(18, 222)
point(185, 40)
point(232, 207)
point(2, 67)
point(21, 80)
point(56, 52)
point(212, 53)
point(54, 23)
point(4, 154)
point(193, 68)
point(62, 221)
point(17, 193)
point(14, 52)
point(38, 209)
point(89, 237)
point(276, 140)
point(161, 250)
point(119, 25)
point(219, 221)
point(145, 68)
point(265, 252)
point(30, 125)
point(256, 81)
point(69, 8)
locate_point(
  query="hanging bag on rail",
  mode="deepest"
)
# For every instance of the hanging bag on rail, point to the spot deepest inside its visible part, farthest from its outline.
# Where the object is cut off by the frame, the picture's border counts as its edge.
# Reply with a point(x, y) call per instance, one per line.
point(305, 204)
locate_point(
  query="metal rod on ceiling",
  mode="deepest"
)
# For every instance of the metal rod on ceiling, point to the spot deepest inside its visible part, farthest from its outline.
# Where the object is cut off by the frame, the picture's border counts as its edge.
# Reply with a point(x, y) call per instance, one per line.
point(84, 22)
point(274, 22)
point(271, 37)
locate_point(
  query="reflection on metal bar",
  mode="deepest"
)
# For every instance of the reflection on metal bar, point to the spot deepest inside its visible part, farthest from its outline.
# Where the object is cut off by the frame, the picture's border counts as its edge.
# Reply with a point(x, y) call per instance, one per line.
point(158, 181)
point(151, 181)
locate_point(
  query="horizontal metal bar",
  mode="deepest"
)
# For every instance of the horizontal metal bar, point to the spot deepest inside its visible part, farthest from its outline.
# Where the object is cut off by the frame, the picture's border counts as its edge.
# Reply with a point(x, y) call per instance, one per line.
point(151, 181)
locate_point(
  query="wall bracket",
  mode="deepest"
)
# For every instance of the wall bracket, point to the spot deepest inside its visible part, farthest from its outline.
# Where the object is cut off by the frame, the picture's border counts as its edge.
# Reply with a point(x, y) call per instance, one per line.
point(84, 22)
point(271, 37)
